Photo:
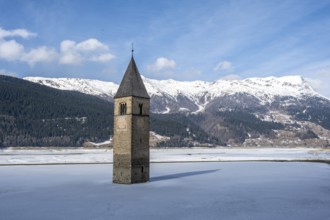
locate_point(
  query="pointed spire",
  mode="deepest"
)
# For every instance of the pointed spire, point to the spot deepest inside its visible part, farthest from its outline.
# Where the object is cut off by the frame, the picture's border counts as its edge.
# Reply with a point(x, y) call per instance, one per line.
point(132, 84)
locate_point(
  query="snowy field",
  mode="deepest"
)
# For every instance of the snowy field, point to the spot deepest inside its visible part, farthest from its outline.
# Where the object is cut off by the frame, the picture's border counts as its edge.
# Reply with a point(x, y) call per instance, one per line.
point(67, 156)
point(213, 190)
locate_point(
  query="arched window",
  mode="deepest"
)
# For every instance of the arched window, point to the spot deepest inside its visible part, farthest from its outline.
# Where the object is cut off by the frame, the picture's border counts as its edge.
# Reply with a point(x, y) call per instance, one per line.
point(140, 107)
point(122, 109)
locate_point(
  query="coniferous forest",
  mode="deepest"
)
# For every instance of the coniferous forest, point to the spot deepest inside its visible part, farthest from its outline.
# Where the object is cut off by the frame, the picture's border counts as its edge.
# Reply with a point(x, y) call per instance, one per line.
point(36, 115)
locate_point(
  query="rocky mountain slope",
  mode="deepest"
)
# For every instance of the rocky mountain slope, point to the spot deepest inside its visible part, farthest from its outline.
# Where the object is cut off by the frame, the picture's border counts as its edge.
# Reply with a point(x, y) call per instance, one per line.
point(272, 111)
point(170, 96)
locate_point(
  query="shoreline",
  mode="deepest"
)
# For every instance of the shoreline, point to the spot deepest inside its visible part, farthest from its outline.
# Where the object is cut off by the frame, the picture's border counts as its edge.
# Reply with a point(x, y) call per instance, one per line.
point(168, 162)
point(162, 148)
point(65, 156)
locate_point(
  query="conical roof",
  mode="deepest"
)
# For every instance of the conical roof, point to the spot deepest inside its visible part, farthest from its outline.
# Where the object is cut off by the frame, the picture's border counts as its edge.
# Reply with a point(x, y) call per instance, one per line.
point(132, 84)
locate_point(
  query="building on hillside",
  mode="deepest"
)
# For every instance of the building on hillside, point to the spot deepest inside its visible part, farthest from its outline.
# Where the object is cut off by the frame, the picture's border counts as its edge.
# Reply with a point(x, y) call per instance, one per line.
point(131, 129)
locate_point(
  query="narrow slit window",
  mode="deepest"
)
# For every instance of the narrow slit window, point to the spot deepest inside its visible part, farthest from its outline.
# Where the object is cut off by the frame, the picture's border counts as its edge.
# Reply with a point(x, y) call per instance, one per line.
point(142, 169)
point(140, 107)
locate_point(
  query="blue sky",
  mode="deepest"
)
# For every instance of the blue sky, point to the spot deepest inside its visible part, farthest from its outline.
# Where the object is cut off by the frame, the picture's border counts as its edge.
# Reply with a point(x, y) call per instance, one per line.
point(183, 40)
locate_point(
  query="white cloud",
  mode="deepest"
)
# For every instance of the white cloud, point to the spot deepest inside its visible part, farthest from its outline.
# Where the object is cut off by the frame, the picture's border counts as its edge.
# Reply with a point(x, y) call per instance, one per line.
point(161, 64)
point(16, 33)
point(70, 58)
point(71, 52)
point(67, 46)
point(13, 51)
point(223, 65)
point(7, 73)
point(10, 50)
point(40, 54)
point(91, 45)
point(88, 50)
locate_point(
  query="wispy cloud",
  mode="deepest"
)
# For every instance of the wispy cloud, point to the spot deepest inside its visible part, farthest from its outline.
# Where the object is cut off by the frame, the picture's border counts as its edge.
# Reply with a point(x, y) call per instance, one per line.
point(23, 33)
point(256, 37)
point(223, 65)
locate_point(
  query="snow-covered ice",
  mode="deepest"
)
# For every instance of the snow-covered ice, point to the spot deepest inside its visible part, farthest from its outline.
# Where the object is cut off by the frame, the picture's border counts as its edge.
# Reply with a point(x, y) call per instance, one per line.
point(215, 190)
point(64, 156)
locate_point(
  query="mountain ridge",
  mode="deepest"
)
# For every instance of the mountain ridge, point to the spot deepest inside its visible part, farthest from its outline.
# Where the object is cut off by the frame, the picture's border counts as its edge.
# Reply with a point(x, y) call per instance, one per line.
point(251, 112)
point(198, 93)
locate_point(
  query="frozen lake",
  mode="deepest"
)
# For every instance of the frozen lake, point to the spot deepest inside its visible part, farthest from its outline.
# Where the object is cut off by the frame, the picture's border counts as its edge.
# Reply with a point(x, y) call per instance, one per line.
point(13, 156)
point(210, 190)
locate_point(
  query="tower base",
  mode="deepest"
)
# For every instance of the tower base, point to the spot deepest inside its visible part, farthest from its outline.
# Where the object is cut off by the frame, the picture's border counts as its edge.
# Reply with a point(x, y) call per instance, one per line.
point(130, 175)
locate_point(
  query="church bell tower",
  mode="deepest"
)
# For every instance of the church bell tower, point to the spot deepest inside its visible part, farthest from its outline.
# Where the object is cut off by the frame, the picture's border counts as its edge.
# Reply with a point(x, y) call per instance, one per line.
point(131, 129)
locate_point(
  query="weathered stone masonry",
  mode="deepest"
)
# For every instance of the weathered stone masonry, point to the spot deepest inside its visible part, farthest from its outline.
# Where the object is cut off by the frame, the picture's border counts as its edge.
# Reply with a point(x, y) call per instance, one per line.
point(131, 129)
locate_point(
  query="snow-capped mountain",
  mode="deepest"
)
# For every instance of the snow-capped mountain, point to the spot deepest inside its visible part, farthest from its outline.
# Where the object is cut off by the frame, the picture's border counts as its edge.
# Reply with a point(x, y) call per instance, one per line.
point(255, 111)
point(170, 96)
point(87, 86)
point(196, 96)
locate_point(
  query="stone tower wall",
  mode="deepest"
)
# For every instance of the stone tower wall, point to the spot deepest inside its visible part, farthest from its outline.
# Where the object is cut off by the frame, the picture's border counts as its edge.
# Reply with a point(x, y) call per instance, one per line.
point(131, 141)
point(122, 142)
point(140, 140)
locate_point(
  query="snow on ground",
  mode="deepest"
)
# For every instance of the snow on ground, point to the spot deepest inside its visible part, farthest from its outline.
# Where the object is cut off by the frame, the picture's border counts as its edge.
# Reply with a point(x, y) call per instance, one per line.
point(65, 156)
point(245, 190)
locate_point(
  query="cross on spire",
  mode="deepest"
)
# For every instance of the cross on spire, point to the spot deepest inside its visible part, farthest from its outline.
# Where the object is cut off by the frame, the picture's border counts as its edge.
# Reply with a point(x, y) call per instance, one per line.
point(132, 48)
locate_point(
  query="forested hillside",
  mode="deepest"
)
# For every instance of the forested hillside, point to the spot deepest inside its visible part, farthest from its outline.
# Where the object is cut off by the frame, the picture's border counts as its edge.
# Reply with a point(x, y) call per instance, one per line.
point(36, 115)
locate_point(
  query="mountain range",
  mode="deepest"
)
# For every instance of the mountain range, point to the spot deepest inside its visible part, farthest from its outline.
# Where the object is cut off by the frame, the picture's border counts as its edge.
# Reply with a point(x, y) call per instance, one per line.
point(36, 115)
point(170, 96)
point(271, 111)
